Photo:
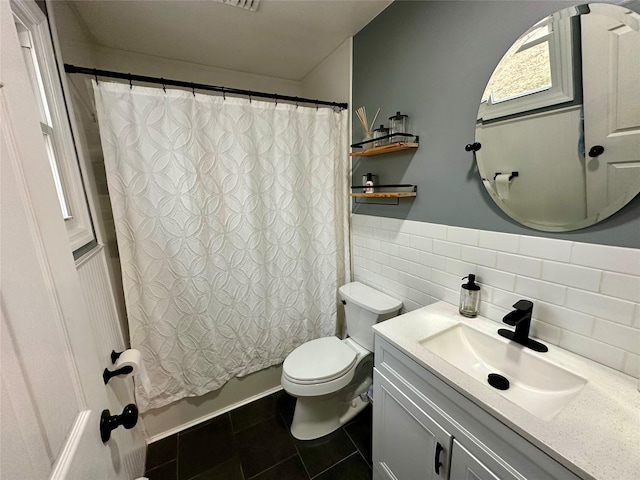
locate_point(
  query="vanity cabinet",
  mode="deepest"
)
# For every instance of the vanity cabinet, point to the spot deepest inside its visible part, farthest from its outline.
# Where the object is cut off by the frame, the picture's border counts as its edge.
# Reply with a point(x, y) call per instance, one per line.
point(424, 429)
point(409, 442)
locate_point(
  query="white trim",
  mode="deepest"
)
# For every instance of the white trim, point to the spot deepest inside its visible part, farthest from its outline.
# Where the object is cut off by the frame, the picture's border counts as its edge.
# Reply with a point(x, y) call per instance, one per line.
point(507, 121)
point(68, 454)
point(211, 415)
point(88, 256)
point(562, 83)
point(79, 227)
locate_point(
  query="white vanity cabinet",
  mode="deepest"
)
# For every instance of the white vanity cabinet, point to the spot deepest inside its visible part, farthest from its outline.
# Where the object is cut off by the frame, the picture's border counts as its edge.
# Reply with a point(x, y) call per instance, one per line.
point(424, 429)
point(409, 442)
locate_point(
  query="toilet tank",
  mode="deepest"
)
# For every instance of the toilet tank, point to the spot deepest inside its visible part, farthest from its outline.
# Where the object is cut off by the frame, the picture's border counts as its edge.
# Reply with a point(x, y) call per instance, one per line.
point(364, 307)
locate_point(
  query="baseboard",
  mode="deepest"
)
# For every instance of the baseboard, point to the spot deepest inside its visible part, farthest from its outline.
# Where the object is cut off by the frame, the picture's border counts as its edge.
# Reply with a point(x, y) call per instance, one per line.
point(211, 415)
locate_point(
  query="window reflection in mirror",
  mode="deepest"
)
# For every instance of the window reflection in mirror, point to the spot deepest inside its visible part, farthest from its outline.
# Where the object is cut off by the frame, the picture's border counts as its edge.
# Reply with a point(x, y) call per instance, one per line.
point(540, 70)
point(525, 68)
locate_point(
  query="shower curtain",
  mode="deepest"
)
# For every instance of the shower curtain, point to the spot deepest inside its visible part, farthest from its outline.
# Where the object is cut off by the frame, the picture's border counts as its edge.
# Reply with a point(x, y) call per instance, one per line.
point(232, 225)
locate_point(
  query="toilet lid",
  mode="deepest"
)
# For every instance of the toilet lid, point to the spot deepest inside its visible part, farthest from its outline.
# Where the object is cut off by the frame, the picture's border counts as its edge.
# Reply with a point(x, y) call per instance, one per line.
point(319, 360)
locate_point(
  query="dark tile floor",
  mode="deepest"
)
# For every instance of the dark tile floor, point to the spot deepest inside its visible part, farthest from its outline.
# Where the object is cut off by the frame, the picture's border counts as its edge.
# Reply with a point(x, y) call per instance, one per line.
point(254, 442)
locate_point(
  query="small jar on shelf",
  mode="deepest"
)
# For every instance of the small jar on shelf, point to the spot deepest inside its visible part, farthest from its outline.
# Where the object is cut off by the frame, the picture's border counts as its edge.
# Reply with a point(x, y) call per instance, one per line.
point(398, 124)
point(378, 133)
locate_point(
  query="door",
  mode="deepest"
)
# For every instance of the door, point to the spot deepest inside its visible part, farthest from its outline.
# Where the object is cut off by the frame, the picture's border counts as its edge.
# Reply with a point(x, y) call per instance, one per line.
point(611, 76)
point(407, 443)
point(52, 393)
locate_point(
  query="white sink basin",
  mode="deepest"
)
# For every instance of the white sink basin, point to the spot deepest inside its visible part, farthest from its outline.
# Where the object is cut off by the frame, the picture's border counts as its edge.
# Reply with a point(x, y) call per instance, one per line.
point(536, 385)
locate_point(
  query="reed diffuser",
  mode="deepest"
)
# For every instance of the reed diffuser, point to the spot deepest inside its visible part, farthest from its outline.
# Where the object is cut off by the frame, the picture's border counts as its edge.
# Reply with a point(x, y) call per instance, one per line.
point(361, 113)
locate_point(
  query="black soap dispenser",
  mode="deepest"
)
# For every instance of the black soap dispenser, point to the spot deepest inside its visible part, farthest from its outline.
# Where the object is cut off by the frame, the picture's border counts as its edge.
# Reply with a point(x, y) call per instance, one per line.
point(469, 297)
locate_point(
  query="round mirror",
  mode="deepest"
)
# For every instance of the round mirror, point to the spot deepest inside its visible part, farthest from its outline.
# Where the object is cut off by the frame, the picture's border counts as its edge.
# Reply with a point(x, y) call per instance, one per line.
point(559, 121)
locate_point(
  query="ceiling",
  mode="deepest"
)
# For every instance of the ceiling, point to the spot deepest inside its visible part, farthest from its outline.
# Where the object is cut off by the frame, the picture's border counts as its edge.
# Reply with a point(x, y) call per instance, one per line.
point(283, 38)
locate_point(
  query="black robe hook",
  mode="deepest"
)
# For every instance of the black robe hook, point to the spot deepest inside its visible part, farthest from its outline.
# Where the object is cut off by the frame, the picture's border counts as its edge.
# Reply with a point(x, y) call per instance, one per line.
point(473, 147)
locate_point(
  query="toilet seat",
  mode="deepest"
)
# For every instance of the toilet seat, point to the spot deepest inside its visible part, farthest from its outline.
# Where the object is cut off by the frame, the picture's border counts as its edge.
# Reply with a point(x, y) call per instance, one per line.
point(320, 367)
point(302, 366)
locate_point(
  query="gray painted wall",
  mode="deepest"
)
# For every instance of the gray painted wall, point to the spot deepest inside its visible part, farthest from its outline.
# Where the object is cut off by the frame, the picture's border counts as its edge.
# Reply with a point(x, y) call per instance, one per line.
point(431, 60)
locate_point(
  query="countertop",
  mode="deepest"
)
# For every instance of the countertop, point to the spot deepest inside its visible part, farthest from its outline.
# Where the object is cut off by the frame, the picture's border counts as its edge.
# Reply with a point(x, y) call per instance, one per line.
point(596, 436)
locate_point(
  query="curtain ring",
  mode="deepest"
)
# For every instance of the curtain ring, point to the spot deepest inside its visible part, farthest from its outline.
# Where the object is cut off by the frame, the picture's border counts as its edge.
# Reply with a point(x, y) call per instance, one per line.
point(164, 88)
point(316, 105)
point(297, 102)
point(130, 84)
point(224, 94)
point(249, 98)
point(95, 76)
point(193, 89)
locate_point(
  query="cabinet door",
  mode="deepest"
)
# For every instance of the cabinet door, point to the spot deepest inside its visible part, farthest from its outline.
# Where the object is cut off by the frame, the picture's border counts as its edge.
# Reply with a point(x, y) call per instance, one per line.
point(465, 466)
point(407, 443)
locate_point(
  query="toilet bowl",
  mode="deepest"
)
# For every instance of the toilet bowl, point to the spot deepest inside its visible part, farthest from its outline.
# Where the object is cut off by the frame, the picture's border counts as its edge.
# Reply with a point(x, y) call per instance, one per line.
point(330, 377)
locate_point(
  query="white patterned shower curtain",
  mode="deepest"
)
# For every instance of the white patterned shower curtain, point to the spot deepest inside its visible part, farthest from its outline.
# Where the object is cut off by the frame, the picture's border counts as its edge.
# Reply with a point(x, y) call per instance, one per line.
point(232, 226)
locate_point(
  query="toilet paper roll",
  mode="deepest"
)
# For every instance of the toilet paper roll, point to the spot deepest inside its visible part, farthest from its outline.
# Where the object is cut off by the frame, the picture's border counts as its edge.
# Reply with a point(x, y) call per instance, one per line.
point(133, 358)
point(502, 184)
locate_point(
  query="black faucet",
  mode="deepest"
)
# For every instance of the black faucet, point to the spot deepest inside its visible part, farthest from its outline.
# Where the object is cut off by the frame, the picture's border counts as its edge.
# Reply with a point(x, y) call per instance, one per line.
point(521, 319)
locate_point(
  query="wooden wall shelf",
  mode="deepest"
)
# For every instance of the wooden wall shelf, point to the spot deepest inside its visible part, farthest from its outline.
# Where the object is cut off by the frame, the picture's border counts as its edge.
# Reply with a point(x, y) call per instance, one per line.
point(392, 147)
point(385, 194)
point(394, 194)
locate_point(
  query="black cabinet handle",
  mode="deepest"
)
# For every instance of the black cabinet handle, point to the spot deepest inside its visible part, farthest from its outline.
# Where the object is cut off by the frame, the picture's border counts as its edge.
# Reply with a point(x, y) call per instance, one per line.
point(437, 463)
point(596, 151)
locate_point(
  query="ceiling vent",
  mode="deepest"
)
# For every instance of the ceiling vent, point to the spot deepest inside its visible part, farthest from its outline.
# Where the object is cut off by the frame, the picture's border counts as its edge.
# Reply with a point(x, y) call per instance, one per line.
point(251, 5)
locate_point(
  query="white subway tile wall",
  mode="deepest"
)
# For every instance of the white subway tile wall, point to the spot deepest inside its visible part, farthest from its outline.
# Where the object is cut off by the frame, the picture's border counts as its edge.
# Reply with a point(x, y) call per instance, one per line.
point(586, 297)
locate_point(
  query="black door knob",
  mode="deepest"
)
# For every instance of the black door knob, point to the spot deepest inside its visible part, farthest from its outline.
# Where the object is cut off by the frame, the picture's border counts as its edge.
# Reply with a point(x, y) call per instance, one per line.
point(108, 422)
point(596, 151)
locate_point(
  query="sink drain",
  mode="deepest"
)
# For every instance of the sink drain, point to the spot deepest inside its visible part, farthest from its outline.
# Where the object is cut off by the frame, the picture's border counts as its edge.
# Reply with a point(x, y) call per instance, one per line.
point(498, 381)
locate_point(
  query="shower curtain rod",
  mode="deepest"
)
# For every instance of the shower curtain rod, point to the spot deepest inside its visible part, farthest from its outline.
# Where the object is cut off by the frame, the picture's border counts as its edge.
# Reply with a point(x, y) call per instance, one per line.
point(193, 86)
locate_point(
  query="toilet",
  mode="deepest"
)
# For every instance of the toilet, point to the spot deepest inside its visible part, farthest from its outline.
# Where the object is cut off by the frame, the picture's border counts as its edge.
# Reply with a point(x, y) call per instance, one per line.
point(330, 377)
